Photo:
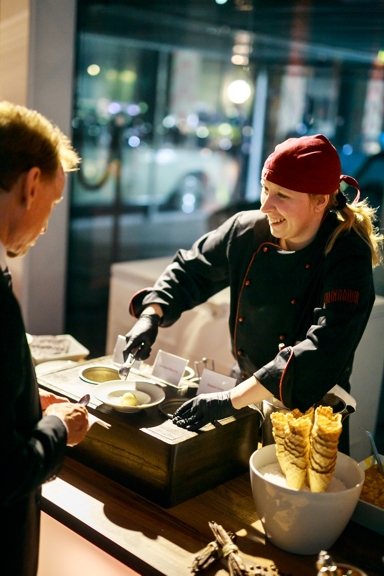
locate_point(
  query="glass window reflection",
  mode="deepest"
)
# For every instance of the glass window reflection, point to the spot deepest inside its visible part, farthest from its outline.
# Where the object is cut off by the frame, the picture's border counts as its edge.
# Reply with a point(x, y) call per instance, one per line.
point(176, 108)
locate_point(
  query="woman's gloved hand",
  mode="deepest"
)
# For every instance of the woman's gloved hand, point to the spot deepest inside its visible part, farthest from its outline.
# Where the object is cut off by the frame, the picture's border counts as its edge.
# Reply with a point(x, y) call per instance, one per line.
point(203, 409)
point(142, 336)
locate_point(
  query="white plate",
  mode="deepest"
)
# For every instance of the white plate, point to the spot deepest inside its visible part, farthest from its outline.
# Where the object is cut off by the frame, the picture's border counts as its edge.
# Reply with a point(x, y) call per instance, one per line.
point(148, 394)
point(60, 347)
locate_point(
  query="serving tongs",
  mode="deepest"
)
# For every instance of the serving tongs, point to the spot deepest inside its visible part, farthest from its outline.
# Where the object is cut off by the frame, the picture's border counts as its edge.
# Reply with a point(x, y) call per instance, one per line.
point(125, 368)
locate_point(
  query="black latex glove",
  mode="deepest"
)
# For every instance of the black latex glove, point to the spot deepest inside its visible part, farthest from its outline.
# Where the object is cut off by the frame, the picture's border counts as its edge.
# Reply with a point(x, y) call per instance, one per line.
point(203, 409)
point(142, 336)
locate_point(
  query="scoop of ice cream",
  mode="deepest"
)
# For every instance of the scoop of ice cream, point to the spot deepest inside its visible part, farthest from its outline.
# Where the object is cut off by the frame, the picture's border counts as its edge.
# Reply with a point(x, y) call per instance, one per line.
point(128, 399)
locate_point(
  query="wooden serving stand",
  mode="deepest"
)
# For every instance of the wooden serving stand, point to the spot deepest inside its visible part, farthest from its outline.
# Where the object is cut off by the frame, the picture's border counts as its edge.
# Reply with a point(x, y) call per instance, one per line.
point(147, 453)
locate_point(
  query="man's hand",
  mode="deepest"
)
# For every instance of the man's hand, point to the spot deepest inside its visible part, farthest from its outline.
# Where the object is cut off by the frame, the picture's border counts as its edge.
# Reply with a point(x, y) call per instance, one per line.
point(48, 398)
point(203, 409)
point(76, 418)
point(142, 336)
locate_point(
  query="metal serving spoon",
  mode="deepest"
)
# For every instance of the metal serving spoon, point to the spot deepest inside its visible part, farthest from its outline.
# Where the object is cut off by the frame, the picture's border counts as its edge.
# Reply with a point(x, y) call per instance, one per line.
point(125, 368)
point(84, 400)
point(375, 451)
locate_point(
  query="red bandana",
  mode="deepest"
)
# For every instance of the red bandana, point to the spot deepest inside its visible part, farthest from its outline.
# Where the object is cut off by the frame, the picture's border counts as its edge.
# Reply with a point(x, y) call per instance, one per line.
point(309, 164)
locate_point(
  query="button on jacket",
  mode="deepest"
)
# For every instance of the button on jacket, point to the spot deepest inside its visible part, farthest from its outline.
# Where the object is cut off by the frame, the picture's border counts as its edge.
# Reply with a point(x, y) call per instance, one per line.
point(296, 318)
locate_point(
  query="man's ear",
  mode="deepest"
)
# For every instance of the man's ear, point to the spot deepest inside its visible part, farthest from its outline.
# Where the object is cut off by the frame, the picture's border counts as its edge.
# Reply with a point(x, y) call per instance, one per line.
point(30, 188)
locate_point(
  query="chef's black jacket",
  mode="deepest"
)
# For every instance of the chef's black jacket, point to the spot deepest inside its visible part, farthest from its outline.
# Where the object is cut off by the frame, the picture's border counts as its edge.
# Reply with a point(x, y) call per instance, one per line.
point(296, 318)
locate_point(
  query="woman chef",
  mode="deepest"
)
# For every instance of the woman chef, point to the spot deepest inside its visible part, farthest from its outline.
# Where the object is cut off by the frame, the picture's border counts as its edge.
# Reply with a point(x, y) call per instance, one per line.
point(300, 276)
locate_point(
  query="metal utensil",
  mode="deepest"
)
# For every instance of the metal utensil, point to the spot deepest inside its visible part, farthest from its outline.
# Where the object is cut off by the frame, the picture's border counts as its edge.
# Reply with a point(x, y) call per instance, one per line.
point(338, 405)
point(325, 564)
point(125, 368)
point(375, 451)
point(204, 362)
point(84, 400)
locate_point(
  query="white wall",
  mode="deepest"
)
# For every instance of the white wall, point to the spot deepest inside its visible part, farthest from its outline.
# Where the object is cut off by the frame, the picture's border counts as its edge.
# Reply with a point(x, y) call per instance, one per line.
point(366, 382)
point(14, 39)
point(14, 53)
point(36, 69)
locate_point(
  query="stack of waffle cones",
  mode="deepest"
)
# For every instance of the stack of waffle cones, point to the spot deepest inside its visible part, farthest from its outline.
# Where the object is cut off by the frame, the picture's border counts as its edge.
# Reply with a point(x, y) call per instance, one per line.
point(306, 446)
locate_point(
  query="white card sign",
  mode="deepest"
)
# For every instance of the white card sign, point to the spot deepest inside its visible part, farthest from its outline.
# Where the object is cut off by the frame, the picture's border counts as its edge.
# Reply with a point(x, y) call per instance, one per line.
point(215, 382)
point(120, 345)
point(169, 367)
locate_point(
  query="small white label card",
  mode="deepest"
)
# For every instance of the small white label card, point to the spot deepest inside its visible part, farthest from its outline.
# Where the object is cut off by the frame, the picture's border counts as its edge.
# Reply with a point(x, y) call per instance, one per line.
point(169, 367)
point(120, 345)
point(211, 381)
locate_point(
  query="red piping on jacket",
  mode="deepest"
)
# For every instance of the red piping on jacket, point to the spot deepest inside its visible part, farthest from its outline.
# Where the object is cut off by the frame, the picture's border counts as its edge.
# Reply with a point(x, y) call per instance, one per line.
point(131, 309)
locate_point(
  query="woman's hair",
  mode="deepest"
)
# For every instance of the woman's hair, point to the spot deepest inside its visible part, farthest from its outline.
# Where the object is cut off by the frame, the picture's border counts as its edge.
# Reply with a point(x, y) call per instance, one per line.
point(27, 140)
point(360, 218)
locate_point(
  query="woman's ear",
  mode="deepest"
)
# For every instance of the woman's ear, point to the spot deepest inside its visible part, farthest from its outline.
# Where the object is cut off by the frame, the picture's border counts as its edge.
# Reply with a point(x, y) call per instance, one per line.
point(321, 202)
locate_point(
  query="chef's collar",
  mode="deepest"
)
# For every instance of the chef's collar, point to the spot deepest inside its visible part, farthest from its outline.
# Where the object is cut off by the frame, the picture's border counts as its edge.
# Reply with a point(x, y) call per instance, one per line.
point(3, 257)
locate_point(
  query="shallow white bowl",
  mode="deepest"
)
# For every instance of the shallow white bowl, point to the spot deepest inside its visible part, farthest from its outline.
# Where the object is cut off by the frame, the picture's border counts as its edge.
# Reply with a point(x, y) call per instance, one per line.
point(304, 522)
point(148, 394)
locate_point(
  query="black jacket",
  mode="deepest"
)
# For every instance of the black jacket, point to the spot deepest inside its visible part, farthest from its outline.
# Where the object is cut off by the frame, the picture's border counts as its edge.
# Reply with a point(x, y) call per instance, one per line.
point(32, 447)
point(314, 307)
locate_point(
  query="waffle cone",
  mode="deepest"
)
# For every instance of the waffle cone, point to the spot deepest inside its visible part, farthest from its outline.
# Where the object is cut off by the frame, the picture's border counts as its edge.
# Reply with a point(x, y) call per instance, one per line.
point(306, 446)
point(296, 446)
point(279, 430)
point(309, 413)
point(318, 481)
point(323, 448)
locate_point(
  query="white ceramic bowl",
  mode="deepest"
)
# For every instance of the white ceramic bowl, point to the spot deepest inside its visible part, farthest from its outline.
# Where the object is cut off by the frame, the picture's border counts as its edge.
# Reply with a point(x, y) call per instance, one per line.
point(147, 393)
point(299, 521)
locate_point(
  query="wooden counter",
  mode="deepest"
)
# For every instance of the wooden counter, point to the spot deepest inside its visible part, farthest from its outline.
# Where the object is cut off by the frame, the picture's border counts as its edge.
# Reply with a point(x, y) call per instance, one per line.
point(153, 540)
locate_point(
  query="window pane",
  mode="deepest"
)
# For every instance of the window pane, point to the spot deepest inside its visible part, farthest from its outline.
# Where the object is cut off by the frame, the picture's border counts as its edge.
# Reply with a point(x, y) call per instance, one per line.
point(176, 107)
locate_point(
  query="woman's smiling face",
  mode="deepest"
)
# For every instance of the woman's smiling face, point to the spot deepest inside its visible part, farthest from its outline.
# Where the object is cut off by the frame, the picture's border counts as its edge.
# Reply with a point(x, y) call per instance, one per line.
point(294, 217)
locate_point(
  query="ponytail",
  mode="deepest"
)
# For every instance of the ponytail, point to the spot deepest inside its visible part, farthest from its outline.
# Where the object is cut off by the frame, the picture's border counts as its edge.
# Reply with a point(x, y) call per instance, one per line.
point(360, 218)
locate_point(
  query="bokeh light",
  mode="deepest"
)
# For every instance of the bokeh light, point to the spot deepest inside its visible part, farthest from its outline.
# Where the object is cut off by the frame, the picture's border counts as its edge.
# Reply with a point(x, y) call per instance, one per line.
point(134, 141)
point(240, 60)
point(239, 91)
point(93, 69)
point(202, 132)
point(114, 108)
